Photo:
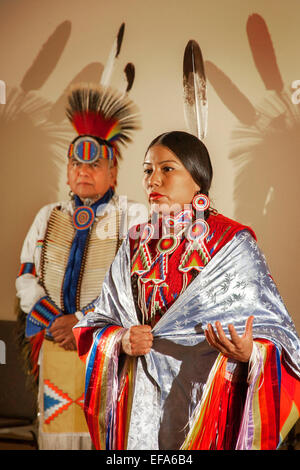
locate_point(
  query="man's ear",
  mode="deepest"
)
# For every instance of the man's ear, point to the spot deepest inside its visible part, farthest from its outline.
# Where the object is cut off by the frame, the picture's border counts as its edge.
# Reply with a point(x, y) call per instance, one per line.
point(68, 180)
point(114, 176)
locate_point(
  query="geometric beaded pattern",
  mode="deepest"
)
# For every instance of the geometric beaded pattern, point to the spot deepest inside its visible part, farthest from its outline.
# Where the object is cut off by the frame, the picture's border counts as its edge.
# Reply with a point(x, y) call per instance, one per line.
point(89, 150)
point(27, 268)
point(56, 401)
point(83, 218)
point(43, 312)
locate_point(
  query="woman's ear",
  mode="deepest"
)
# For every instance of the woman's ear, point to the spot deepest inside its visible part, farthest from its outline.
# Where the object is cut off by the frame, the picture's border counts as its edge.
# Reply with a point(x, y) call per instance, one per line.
point(197, 190)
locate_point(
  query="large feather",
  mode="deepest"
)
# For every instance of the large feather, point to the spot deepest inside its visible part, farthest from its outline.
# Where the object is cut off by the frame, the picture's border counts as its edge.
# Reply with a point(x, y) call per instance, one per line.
point(114, 53)
point(194, 90)
point(263, 53)
point(130, 75)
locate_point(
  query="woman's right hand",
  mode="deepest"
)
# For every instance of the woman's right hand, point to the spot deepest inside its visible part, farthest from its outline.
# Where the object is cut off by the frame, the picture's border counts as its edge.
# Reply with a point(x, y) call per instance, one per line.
point(137, 341)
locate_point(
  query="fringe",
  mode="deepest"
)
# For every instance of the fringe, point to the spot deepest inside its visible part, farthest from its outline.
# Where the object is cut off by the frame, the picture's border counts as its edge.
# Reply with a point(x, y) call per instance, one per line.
point(64, 442)
point(29, 349)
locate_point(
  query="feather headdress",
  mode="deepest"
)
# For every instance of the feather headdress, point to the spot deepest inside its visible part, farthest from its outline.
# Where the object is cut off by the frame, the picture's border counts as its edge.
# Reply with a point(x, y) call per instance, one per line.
point(103, 114)
point(194, 90)
point(102, 117)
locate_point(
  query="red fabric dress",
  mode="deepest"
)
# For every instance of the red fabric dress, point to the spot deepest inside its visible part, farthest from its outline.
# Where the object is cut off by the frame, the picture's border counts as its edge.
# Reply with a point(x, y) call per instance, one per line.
point(167, 276)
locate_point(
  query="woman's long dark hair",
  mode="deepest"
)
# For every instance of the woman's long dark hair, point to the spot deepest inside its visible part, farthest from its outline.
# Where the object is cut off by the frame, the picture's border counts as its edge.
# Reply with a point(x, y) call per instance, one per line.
point(192, 153)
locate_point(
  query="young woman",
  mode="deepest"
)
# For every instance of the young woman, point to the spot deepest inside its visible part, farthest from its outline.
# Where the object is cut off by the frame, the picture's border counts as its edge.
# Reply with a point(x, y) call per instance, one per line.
point(190, 345)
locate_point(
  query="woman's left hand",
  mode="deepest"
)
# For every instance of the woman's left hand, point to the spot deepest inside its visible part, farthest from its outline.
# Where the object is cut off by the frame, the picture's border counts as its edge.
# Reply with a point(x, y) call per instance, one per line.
point(238, 348)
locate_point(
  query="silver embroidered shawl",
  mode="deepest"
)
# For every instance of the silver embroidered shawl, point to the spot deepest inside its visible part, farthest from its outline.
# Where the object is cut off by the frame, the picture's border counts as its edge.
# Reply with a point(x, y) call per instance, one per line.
point(236, 283)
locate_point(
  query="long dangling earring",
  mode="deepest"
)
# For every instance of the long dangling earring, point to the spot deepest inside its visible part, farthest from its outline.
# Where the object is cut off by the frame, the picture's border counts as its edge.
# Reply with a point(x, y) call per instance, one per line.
point(199, 228)
point(196, 254)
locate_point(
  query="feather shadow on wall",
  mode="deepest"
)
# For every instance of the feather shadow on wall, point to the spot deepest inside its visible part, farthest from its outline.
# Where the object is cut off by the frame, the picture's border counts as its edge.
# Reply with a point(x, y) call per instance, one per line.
point(265, 147)
point(32, 143)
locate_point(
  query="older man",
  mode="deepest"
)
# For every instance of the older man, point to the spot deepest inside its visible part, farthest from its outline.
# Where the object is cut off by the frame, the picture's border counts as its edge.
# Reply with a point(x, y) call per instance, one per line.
point(65, 256)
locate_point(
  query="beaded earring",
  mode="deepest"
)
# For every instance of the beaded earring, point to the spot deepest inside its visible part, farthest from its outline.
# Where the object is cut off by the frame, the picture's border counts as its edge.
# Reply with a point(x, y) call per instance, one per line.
point(200, 202)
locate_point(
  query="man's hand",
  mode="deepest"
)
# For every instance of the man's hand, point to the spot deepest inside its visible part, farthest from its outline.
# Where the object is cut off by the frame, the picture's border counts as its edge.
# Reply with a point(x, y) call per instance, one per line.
point(61, 330)
point(137, 341)
point(238, 348)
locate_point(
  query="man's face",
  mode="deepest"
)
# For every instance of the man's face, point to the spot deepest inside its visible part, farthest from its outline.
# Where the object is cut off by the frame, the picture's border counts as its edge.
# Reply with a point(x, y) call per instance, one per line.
point(91, 180)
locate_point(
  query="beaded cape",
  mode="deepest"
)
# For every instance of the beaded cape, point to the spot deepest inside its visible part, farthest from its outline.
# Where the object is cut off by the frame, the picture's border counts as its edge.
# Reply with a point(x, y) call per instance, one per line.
point(183, 394)
point(163, 267)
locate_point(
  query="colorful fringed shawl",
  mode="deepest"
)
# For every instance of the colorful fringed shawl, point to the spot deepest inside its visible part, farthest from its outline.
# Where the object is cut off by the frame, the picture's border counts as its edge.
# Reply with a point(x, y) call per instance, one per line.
point(108, 397)
point(182, 394)
point(271, 407)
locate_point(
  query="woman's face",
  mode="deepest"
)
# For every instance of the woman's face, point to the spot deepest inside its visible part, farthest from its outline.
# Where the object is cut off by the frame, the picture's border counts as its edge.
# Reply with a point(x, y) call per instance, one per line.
point(168, 184)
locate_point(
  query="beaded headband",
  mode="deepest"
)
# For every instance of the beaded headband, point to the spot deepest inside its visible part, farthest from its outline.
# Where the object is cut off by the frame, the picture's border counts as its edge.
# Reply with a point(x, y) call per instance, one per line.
point(87, 150)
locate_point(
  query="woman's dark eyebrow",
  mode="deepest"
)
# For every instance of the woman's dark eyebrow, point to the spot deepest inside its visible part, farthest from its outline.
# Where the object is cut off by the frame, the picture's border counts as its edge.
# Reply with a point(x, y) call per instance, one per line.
point(161, 163)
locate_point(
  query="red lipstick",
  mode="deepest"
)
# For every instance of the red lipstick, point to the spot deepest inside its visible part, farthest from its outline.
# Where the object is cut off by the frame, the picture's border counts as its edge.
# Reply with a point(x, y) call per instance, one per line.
point(155, 196)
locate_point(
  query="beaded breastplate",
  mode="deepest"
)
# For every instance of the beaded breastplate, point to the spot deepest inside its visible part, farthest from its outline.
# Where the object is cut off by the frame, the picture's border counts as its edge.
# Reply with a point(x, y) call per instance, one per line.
point(98, 256)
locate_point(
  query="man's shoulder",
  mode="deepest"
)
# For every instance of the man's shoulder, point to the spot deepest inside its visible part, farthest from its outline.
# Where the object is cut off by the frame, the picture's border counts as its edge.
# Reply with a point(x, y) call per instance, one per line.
point(46, 210)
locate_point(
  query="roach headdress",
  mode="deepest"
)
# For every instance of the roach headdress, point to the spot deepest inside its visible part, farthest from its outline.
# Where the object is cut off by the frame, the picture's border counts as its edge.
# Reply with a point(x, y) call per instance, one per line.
point(103, 119)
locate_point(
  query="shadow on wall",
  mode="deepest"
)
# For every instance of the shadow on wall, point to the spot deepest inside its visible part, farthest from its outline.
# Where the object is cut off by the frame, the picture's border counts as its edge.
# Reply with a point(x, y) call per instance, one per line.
point(265, 151)
point(34, 135)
